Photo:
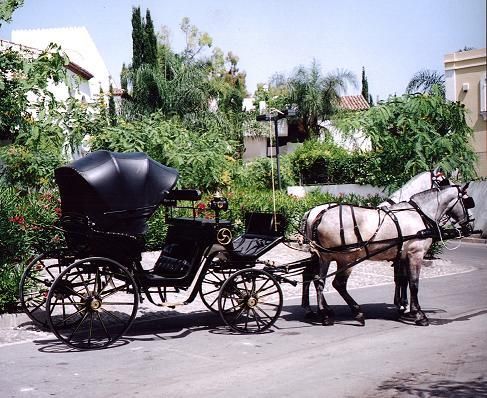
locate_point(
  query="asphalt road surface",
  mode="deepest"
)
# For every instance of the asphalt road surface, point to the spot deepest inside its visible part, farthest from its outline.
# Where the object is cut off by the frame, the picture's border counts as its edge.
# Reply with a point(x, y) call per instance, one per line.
point(194, 355)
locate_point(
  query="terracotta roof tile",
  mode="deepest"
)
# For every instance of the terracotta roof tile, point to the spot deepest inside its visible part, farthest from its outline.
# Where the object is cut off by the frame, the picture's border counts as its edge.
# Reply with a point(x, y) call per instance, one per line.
point(354, 103)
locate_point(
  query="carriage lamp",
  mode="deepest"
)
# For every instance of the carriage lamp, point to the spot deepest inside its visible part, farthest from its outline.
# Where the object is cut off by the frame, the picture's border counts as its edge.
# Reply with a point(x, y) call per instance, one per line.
point(218, 204)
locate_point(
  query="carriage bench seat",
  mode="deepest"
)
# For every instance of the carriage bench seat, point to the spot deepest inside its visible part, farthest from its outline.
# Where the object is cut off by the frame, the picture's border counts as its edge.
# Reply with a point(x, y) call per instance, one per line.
point(263, 231)
point(251, 247)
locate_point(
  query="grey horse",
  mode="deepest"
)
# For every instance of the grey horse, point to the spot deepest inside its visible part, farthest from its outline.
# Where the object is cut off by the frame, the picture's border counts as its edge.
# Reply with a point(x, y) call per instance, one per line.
point(346, 234)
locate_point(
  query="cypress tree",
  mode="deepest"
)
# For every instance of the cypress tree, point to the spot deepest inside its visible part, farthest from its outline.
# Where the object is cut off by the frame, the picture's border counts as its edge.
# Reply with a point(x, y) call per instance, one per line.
point(112, 113)
point(365, 85)
point(150, 53)
point(138, 41)
point(124, 78)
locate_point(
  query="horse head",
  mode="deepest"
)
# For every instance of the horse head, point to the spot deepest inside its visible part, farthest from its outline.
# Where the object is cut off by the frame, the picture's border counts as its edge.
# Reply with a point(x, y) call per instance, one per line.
point(458, 210)
point(451, 200)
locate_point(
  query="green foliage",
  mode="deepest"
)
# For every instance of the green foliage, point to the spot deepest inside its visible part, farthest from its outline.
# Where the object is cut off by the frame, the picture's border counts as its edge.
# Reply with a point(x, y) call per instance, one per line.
point(150, 45)
point(10, 276)
point(424, 81)
point(7, 7)
point(138, 39)
point(25, 169)
point(317, 96)
point(414, 133)
point(20, 75)
point(199, 153)
point(258, 173)
point(243, 200)
point(25, 221)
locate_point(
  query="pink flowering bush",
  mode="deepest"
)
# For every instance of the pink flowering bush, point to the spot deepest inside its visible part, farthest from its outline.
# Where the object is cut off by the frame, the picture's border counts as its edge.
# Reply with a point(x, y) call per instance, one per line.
point(25, 229)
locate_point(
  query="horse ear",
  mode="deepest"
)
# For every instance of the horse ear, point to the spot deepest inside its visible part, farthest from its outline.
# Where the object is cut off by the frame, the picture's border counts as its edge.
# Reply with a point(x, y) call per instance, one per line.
point(465, 187)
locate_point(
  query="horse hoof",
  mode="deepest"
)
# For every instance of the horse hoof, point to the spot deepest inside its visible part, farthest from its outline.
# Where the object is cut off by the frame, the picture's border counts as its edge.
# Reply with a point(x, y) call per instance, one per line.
point(422, 322)
point(328, 322)
point(360, 318)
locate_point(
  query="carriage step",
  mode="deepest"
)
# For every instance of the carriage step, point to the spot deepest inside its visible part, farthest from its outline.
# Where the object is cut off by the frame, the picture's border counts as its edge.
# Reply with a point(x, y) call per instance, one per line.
point(171, 305)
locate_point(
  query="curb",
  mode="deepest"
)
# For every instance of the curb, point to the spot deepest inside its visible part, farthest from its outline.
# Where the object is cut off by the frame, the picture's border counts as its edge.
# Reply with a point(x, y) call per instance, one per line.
point(475, 240)
point(10, 321)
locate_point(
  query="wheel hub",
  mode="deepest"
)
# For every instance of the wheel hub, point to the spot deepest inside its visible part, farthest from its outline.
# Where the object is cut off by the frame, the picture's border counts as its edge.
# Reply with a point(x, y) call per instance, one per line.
point(93, 303)
point(252, 301)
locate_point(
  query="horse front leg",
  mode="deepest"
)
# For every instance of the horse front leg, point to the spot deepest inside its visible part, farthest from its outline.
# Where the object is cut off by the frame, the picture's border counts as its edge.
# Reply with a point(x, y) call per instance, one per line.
point(401, 286)
point(307, 278)
point(340, 284)
point(414, 269)
point(310, 273)
point(326, 312)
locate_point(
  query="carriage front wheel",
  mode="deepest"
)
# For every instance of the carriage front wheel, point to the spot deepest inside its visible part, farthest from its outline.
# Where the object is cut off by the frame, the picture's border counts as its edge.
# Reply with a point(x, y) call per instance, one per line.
point(92, 303)
point(250, 301)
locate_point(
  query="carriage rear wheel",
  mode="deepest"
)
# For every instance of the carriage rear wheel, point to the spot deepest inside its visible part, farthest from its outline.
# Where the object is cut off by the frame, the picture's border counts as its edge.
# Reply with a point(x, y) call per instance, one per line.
point(250, 301)
point(215, 275)
point(36, 280)
point(92, 303)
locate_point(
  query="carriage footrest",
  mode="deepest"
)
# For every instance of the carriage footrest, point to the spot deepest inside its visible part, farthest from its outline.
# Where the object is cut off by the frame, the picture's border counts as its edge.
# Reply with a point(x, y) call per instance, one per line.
point(171, 266)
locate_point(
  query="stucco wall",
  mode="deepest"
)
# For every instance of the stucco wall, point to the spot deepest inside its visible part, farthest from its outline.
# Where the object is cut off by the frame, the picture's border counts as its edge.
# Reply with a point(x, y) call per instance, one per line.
point(478, 191)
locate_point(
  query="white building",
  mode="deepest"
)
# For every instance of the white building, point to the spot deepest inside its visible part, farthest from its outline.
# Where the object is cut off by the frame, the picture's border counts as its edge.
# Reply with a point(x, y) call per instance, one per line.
point(80, 48)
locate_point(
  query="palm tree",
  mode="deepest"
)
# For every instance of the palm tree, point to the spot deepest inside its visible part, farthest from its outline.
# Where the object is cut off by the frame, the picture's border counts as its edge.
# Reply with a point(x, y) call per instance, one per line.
point(424, 81)
point(317, 96)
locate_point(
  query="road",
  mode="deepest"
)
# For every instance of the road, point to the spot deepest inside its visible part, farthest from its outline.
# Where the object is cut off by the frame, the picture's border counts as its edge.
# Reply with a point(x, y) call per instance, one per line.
point(193, 355)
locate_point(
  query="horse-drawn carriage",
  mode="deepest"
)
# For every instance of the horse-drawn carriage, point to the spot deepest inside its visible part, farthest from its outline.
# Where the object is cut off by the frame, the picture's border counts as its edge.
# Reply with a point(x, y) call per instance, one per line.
point(88, 292)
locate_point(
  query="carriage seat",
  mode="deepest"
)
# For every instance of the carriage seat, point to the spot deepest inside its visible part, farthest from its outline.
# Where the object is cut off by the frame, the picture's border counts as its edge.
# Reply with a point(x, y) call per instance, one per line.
point(170, 266)
point(263, 231)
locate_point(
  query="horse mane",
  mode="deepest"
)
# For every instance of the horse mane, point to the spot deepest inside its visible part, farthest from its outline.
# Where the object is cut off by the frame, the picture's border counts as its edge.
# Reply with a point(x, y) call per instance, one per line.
point(420, 197)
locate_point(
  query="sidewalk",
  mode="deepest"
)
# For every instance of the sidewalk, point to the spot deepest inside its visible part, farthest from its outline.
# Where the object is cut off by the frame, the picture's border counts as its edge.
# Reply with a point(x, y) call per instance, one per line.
point(17, 328)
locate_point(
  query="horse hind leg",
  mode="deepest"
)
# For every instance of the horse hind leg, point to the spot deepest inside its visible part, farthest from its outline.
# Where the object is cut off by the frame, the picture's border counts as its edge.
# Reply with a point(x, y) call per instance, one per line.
point(340, 284)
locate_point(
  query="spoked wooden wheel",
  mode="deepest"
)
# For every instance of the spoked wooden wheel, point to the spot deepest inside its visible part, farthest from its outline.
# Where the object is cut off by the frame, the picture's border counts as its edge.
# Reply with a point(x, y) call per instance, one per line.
point(250, 301)
point(92, 303)
point(215, 275)
point(36, 280)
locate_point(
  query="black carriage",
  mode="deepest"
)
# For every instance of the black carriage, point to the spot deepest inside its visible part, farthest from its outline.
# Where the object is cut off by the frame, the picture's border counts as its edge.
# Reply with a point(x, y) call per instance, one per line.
point(88, 292)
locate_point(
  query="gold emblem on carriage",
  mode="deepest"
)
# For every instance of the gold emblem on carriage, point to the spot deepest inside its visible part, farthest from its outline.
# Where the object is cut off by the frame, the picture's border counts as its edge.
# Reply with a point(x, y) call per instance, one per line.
point(224, 236)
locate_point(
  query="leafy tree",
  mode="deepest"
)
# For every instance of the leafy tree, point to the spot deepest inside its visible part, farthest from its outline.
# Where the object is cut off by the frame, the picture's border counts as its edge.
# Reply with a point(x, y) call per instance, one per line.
point(196, 41)
point(414, 133)
point(317, 96)
point(23, 74)
point(424, 81)
point(7, 7)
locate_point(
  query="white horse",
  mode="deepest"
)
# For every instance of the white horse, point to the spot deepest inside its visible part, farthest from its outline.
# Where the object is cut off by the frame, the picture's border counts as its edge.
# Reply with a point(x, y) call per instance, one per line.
point(419, 183)
point(348, 234)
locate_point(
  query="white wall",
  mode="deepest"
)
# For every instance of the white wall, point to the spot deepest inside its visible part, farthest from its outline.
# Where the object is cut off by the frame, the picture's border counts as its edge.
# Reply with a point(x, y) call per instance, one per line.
point(78, 45)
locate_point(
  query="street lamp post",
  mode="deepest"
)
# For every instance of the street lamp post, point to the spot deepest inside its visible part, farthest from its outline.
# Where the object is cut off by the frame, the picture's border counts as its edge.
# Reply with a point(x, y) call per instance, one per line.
point(275, 118)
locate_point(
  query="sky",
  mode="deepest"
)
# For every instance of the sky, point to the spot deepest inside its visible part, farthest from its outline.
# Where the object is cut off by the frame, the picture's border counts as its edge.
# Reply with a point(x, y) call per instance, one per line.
point(392, 39)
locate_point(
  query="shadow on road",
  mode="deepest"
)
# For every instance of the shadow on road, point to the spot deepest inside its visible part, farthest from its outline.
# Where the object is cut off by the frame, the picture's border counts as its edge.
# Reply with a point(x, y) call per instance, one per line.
point(412, 386)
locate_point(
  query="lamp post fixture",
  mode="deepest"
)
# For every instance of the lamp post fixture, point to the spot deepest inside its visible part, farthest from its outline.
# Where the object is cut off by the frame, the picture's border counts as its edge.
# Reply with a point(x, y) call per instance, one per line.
point(275, 118)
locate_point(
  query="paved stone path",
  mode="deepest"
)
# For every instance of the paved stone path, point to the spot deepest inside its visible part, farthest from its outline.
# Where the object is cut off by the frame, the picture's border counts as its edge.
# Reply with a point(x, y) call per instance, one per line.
point(16, 329)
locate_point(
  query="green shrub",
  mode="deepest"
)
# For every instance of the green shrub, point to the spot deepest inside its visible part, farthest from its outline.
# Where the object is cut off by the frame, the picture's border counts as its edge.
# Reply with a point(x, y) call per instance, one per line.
point(26, 169)
point(25, 221)
point(258, 173)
